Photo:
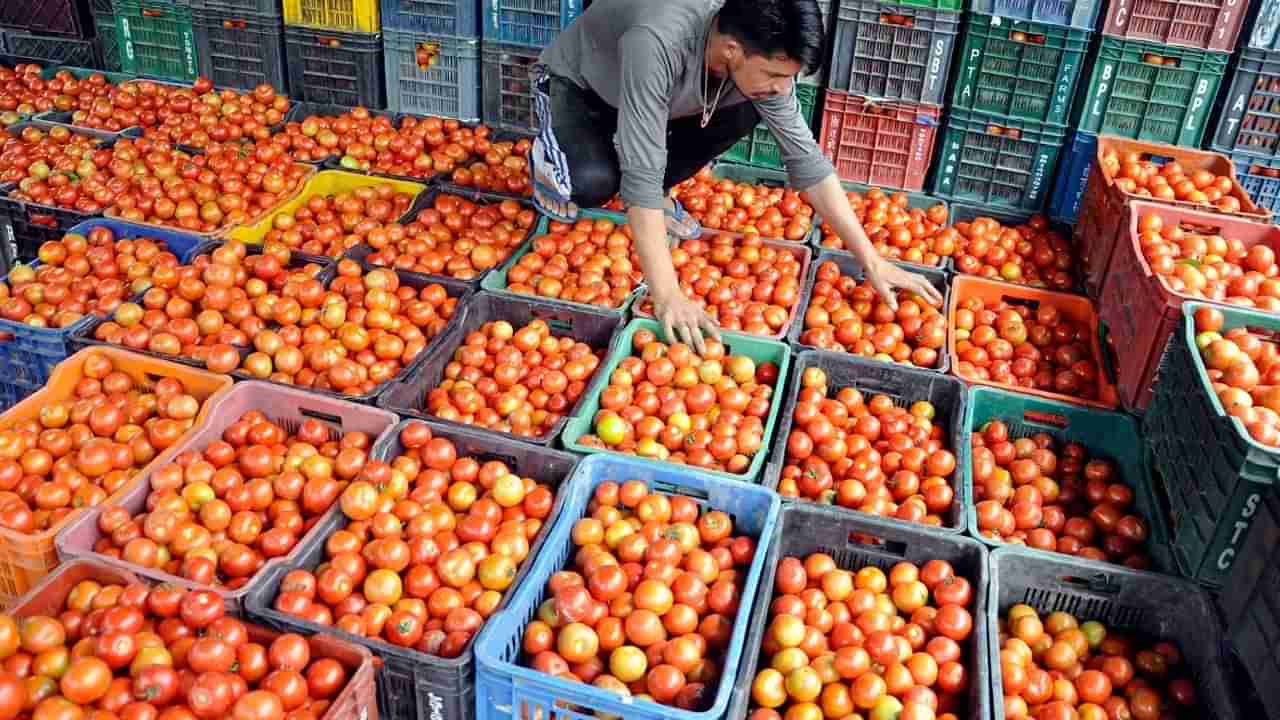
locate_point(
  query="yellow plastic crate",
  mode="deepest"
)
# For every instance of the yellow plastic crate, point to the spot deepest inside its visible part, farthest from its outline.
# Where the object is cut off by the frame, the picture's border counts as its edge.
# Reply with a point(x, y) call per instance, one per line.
point(325, 182)
point(349, 15)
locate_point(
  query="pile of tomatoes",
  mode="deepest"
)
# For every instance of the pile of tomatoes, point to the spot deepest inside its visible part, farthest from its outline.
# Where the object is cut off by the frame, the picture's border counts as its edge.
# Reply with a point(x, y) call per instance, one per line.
point(456, 237)
point(1053, 496)
point(197, 116)
point(23, 90)
point(1204, 264)
point(80, 275)
point(57, 167)
point(669, 403)
point(1039, 349)
point(844, 642)
point(504, 168)
point(744, 284)
point(216, 515)
point(139, 652)
point(435, 540)
point(743, 208)
point(847, 314)
point(329, 225)
point(1244, 368)
point(592, 262)
point(1030, 254)
point(647, 609)
point(898, 231)
point(82, 448)
point(517, 380)
point(1054, 667)
point(1169, 181)
point(868, 455)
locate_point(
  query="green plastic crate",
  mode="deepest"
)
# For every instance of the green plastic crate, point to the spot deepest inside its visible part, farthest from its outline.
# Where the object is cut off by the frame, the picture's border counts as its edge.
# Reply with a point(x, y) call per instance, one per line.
point(1111, 435)
point(1021, 69)
point(758, 349)
point(1215, 474)
point(948, 5)
point(104, 26)
point(760, 149)
point(156, 39)
point(1132, 98)
point(981, 163)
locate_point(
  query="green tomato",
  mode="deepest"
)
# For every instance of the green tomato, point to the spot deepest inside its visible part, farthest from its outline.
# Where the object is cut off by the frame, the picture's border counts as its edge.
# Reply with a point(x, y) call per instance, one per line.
point(889, 708)
point(611, 429)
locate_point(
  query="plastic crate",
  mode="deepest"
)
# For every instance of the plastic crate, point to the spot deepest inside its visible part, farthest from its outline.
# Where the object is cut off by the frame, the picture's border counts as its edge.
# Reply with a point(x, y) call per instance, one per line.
point(447, 86)
point(1247, 123)
point(1260, 178)
point(1265, 33)
point(892, 52)
point(240, 50)
point(856, 540)
point(526, 22)
point(353, 16)
point(437, 17)
point(1112, 435)
point(406, 397)
point(981, 162)
point(286, 406)
point(760, 148)
point(1078, 14)
point(68, 18)
point(1072, 307)
point(758, 349)
point(413, 685)
point(905, 385)
point(334, 67)
point(1201, 24)
point(107, 39)
point(236, 7)
point(1250, 608)
point(157, 39)
point(1131, 97)
point(1120, 598)
point(506, 688)
point(508, 90)
point(25, 558)
point(26, 226)
point(920, 200)
point(1073, 175)
point(59, 50)
point(849, 265)
point(1101, 217)
point(1019, 69)
point(878, 143)
point(1214, 472)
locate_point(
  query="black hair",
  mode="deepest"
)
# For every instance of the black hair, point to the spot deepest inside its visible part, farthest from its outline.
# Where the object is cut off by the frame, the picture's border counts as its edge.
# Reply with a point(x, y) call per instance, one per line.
point(768, 27)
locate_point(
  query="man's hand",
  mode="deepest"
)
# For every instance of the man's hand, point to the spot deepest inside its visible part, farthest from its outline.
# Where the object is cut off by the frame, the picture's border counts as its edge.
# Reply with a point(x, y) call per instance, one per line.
point(683, 321)
point(888, 278)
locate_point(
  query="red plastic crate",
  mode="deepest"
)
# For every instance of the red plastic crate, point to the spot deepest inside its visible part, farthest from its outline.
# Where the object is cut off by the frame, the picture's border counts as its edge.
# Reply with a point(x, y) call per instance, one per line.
point(1140, 310)
point(885, 143)
point(1202, 24)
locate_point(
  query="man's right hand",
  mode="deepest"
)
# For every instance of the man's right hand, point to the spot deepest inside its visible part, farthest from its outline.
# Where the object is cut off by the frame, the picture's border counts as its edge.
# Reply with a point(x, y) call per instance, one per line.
point(683, 321)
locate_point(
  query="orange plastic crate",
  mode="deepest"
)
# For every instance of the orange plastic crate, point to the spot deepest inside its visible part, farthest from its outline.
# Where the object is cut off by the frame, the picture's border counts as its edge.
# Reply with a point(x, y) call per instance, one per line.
point(1073, 307)
point(25, 559)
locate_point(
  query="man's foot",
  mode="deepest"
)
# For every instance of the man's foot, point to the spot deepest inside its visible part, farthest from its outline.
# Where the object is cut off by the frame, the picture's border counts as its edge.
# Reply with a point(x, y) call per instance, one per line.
point(680, 223)
point(550, 194)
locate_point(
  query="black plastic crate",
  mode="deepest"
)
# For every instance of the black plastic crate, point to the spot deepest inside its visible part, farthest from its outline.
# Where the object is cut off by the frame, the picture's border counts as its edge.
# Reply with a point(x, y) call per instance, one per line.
point(508, 87)
point(905, 385)
point(596, 328)
point(1157, 605)
point(436, 17)
point(331, 66)
point(1252, 605)
point(240, 50)
point(68, 18)
point(892, 52)
point(235, 7)
point(108, 40)
point(432, 75)
point(858, 540)
point(1249, 121)
point(413, 685)
point(55, 50)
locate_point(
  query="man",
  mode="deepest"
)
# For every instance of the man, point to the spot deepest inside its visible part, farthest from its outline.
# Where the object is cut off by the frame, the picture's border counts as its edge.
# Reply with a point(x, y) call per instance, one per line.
point(636, 96)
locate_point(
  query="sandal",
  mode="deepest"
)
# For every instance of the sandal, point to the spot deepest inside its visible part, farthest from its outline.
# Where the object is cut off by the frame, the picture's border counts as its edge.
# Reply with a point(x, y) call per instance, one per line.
point(541, 192)
point(680, 223)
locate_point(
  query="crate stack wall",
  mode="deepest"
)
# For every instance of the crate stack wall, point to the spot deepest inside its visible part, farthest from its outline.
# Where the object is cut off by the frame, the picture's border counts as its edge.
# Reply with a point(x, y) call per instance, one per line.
point(240, 43)
point(431, 57)
point(513, 34)
point(63, 32)
point(334, 52)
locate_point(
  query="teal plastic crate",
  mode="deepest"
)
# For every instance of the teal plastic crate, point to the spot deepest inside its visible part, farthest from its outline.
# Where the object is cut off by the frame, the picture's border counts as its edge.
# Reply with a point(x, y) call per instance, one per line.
point(989, 159)
point(758, 349)
point(157, 39)
point(760, 149)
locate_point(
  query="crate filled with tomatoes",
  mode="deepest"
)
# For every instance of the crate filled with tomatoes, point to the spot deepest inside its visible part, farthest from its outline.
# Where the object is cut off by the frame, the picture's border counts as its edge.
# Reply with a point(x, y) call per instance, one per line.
point(901, 225)
point(741, 199)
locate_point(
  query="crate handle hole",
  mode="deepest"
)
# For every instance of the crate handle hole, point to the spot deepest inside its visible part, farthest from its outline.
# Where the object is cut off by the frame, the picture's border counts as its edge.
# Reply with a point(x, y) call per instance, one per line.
point(1025, 302)
point(899, 20)
point(332, 42)
point(1100, 584)
point(1007, 132)
point(1200, 229)
point(890, 547)
point(1038, 417)
point(1027, 38)
point(234, 24)
point(559, 324)
point(321, 416)
point(148, 12)
point(425, 54)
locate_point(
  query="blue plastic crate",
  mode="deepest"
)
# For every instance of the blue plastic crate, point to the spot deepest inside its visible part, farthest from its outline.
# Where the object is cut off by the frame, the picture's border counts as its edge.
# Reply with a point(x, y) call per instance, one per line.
point(1260, 177)
point(1073, 174)
point(527, 22)
point(438, 17)
point(447, 85)
point(1079, 14)
point(30, 354)
point(507, 690)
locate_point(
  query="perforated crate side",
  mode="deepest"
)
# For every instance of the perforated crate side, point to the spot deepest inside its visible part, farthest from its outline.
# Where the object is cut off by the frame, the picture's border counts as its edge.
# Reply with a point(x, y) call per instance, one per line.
point(156, 39)
point(357, 16)
point(1260, 177)
point(1201, 24)
point(1265, 32)
point(241, 51)
point(67, 18)
point(527, 22)
point(57, 50)
point(887, 144)
point(1131, 97)
point(1073, 175)
point(108, 40)
point(508, 91)
point(460, 18)
point(980, 161)
point(1079, 14)
point(448, 85)
point(1021, 69)
point(1250, 117)
point(760, 148)
point(1252, 609)
point(892, 52)
point(335, 68)
point(238, 7)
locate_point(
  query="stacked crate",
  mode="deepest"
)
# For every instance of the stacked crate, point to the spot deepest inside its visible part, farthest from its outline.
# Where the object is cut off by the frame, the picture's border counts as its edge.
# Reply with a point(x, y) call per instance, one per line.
point(513, 35)
point(431, 54)
point(1011, 101)
point(333, 49)
point(1156, 71)
point(885, 88)
point(157, 38)
point(56, 32)
point(240, 43)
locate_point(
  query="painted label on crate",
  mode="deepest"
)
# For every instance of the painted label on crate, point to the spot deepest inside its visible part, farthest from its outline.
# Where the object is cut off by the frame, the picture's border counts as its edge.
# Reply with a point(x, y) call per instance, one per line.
point(11, 240)
point(1037, 177)
point(937, 64)
point(1101, 91)
point(1226, 20)
point(1197, 102)
point(126, 39)
point(1237, 530)
point(1121, 9)
point(189, 49)
point(1066, 81)
point(436, 705)
point(1233, 114)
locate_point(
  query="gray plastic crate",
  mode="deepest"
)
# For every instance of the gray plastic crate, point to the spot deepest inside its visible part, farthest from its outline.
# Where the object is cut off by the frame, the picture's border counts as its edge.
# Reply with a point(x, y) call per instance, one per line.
point(438, 17)
point(508, 90)
point(335, 67)
point(432, 74)
point(240, 50)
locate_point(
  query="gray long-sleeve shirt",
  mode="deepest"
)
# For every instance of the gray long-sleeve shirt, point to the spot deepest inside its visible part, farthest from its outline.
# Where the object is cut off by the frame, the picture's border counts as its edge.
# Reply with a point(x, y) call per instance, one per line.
point(646, 58)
